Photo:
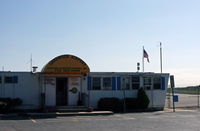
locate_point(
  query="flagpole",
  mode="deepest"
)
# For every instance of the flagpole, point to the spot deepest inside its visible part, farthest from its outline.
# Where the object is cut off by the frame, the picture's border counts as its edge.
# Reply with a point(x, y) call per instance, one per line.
point(31, 63)
point(161, 57)
point(143, 59)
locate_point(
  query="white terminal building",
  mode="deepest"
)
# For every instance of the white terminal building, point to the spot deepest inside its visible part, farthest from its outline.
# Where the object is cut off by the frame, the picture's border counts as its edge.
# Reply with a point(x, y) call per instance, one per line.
point(67, 81)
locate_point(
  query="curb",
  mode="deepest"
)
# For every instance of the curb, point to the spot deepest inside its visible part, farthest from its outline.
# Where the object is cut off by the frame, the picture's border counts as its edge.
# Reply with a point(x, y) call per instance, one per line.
point(94, 113)
point(57, 114)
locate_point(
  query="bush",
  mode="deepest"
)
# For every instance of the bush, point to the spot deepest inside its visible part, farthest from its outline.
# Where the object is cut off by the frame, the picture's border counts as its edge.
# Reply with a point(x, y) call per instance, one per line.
point(8, 104)
point(143, 100)
point(3, 107)
point(111, 104)
point(114, 104)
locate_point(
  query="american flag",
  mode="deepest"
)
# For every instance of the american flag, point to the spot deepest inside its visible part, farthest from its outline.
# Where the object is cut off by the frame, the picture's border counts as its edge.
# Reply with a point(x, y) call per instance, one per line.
point(146, 55)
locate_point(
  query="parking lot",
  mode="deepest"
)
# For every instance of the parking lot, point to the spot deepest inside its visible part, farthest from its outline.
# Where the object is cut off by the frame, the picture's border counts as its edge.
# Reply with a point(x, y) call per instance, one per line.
point(186, 118)
point(183, 120)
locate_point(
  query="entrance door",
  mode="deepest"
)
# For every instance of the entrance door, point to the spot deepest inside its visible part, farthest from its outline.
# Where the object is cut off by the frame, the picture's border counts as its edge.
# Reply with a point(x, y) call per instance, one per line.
point(74, 91)
point(61, 91)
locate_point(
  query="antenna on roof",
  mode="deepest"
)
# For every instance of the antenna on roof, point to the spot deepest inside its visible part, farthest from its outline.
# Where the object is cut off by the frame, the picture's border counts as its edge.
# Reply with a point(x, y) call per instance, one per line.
point(34, 69)
point(31, 63)
point(160, 57)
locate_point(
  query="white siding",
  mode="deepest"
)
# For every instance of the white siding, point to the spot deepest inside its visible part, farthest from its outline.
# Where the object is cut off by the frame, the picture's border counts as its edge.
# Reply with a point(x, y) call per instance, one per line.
point(27, 88)
point(156, 97)
point(50, 95)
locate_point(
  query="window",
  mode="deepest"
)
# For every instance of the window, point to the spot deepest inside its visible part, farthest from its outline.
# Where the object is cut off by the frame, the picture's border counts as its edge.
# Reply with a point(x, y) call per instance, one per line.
point(126, 83)
point(135, 82)
point(147, 83)
point(96, 83)
point(11, 79)
point(156, 83)
point(8, 80)
point(107, 83)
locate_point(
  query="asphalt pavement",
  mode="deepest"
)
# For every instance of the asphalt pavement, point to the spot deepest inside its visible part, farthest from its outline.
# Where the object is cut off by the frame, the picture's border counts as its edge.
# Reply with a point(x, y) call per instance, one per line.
point(182, 120)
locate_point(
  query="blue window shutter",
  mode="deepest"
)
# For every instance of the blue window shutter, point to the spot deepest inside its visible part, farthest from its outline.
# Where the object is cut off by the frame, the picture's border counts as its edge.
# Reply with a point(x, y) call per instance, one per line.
point(163, 83)
point(89, 83)
point(113, 83)
point(118, 83)
point(15, 79)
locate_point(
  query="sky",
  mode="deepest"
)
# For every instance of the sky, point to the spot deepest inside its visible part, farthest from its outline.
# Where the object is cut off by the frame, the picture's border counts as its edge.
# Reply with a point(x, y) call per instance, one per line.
point(107, 34)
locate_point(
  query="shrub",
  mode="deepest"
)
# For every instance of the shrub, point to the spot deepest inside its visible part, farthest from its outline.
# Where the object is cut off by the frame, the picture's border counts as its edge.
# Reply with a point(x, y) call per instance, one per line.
point(3, 106)
point(114, 104)
point(143, 99)
point(111, 104)
point(8, 104)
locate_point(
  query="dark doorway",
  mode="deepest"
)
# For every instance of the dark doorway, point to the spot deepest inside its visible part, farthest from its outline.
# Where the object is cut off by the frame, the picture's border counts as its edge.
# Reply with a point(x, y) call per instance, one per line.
point(61, 91)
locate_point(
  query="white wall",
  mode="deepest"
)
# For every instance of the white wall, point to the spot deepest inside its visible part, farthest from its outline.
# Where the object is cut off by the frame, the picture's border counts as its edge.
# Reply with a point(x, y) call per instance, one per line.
point(50, 91)
point(156, 97)
point(84, 90)
point(26, 89)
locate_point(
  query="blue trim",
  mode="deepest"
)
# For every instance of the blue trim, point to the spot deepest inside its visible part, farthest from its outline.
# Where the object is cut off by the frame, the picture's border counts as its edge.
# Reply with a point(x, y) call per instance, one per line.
point(89, 83)
point(163, 83)
point(15, 79)
point(113, 83)
point(118, 83)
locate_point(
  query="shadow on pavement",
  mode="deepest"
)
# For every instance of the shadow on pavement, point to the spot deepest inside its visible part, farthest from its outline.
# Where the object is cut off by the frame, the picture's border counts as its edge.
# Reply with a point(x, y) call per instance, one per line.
point(26, 116)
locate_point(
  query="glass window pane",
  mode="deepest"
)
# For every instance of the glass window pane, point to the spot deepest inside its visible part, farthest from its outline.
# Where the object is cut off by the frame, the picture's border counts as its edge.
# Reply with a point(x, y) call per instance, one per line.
point(107, 83)
point(147, 83)
point(96, 83)
point(135, 82)
point(11, 79)
point(135, 79)
point(157, 83)
point(148, 87)
point(126, 83)
point(8, 79)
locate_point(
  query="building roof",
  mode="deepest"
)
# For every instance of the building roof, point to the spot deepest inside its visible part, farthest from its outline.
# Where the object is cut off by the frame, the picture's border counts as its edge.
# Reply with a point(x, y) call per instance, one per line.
point(66, 64)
